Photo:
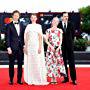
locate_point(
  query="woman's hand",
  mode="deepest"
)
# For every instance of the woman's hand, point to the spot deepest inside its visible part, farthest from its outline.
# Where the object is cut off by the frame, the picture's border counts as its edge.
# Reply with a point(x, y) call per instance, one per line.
point(53, 49)
point(25, 49)
point(39, 50)
point(58, 49)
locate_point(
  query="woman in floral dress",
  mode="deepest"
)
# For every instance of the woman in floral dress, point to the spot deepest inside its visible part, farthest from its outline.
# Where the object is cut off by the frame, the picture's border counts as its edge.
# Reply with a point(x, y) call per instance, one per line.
point(54, 59)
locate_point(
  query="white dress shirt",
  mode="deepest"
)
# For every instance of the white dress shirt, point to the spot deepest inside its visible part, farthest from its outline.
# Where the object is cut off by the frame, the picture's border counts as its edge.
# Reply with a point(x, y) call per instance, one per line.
point(64, 23)
point(17, 26)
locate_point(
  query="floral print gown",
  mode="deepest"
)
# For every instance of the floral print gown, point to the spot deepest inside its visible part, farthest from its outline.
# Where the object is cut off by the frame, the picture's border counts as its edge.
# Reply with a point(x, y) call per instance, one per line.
point(54, 60)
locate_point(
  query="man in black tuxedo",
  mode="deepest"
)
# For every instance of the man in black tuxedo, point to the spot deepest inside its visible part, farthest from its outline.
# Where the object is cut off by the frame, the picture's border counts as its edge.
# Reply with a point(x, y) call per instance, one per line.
point(15, 42)
point(67, 47)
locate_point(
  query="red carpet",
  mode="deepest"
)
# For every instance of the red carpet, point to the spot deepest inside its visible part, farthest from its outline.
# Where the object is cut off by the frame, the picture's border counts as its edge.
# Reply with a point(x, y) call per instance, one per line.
point(83, 79)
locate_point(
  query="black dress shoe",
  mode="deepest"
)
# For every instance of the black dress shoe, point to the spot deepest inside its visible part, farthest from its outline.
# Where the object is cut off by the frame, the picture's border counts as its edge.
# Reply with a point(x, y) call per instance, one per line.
point(10, 82)
point(74, 82)
point(65, 81)
point(19, 82)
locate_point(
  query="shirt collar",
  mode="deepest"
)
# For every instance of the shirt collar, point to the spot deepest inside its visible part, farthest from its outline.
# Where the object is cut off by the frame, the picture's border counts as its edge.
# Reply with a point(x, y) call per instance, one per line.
point(15, 21)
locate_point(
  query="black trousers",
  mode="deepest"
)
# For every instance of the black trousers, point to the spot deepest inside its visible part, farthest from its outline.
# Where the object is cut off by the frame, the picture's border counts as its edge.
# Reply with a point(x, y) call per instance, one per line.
point(16, 55)
point(69, 55)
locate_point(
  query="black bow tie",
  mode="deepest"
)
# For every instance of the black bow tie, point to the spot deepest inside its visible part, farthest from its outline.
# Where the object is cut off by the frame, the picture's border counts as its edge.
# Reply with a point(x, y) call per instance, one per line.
point(16, 23)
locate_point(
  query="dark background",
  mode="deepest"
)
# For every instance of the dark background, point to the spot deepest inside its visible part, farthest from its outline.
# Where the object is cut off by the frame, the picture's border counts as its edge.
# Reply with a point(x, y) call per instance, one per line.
point(43, 17)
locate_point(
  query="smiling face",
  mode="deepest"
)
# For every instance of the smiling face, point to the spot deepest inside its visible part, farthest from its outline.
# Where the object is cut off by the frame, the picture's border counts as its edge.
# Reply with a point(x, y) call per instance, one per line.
point(33, 18)
point(55, 21)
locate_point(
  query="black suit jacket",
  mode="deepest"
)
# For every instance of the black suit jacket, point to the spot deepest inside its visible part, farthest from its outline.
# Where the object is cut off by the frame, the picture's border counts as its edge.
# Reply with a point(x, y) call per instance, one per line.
point(68, 36)
point(12, 39)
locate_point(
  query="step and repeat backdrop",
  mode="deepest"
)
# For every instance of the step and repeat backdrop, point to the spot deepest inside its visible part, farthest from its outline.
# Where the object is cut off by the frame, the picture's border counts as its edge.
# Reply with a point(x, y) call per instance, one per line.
point(44, 18)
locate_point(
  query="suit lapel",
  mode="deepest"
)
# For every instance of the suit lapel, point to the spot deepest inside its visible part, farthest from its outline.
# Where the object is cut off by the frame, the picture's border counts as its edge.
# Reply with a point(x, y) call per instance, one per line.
point(67, 26)
point(16, 30)
point(20, 29)
point(62, 25)
point(13, 28)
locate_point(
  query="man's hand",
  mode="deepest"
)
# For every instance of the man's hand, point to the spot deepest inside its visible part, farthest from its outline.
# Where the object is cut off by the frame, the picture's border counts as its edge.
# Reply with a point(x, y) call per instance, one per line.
point(9, 50)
